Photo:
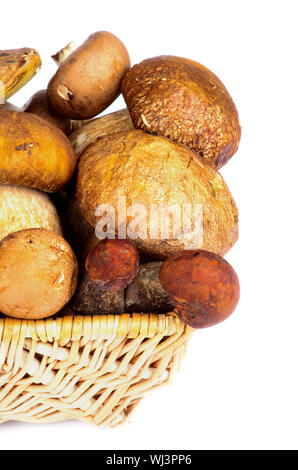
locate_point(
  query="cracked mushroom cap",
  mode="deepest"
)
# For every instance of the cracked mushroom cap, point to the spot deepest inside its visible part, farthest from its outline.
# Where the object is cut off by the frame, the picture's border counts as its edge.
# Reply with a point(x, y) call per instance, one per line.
point(38, 274)
point(184, 101)
point(151, 170)
point(34, 152)
point(89, 79)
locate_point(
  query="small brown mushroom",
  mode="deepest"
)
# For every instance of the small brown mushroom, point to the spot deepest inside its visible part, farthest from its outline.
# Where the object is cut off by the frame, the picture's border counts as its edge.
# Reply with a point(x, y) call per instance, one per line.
point(39, 105)
point(112, 264)
point(89, 79)
point(38, 274)
point(58, 58)
point(89, 299)
point(145, 293)
point(204, 287)
point(184, 101)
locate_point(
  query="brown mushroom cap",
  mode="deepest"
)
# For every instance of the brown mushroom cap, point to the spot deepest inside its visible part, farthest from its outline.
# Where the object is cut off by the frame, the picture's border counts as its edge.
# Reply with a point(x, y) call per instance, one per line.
point(147, 170)
point(112, 264)
point(89, 79)
point(17, 67)
point(34, 152)
point(38, 274)
point(184, 101)
point(22, 208)
point(39, 105)
point(204, 287)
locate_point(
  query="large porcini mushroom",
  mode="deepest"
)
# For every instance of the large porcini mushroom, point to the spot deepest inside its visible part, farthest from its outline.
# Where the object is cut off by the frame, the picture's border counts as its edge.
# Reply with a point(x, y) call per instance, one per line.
point(184, 101)
point(39, 105)
point(34, 152)
point(22, 208)
point(38, 273)
point(88, 80)
point(140, 169)
point(17, 67)
point(204, 287)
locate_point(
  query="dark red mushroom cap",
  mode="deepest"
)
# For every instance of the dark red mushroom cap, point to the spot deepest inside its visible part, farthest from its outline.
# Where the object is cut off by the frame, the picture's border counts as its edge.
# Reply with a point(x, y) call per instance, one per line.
point(204, 287)
point(112, 264)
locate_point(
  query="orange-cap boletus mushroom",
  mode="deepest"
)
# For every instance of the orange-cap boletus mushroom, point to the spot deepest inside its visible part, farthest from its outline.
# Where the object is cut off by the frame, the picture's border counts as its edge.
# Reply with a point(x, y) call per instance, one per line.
point(204, 287)
point(112, 264)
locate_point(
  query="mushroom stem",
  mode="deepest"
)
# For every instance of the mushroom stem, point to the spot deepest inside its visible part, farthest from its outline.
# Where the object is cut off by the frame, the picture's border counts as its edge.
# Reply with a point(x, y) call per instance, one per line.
point(61, 55)
point(10, 107)
point(145, 293)
point(88, 131)
point(89, 299)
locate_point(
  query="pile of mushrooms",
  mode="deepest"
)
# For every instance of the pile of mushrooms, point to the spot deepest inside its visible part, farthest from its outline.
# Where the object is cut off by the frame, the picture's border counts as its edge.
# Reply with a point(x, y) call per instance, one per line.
point(60, 159)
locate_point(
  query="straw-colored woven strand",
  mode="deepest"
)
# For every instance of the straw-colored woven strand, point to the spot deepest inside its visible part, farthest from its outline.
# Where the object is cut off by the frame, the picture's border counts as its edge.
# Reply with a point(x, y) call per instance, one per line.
point(93, 369)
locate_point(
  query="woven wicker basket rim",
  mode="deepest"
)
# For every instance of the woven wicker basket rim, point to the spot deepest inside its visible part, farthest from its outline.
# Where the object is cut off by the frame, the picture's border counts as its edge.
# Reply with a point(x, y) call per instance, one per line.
point(89, 328)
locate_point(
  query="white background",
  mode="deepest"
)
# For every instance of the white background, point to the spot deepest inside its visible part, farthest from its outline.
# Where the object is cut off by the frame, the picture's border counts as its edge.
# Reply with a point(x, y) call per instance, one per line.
point(238, 386)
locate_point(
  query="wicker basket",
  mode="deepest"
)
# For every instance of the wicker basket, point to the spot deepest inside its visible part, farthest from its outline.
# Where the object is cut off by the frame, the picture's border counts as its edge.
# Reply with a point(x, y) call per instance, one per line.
point(93, 369)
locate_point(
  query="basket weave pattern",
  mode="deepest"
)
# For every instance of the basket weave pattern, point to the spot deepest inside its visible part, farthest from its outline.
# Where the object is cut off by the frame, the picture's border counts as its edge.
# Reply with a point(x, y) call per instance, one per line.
point(93, 369)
